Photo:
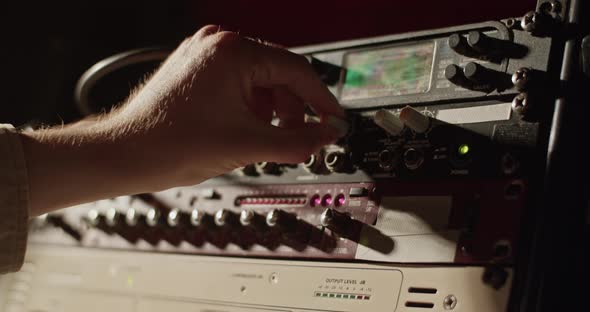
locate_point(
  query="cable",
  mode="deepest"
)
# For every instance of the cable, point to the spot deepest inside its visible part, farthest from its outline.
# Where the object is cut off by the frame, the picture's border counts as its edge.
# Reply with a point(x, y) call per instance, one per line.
point(106, 66)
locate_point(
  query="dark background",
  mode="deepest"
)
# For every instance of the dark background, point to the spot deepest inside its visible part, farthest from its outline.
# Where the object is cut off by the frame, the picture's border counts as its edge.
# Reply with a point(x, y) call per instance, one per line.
point(46, 48)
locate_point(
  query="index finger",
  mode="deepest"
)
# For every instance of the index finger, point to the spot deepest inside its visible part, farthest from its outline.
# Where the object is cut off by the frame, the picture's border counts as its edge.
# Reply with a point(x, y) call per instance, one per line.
point(271, 66)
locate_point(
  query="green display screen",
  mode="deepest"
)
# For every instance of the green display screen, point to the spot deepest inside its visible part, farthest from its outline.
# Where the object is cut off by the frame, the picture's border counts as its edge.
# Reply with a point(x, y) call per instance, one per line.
point(388, 72)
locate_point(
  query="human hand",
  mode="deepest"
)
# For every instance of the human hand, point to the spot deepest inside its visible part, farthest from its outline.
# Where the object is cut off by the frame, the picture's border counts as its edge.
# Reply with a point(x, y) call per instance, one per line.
point(209, 107)
point(206, 111)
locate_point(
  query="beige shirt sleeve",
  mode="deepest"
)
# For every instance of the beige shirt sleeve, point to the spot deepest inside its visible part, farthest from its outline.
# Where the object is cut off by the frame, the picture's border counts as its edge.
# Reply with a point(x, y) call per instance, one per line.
point(14, 195)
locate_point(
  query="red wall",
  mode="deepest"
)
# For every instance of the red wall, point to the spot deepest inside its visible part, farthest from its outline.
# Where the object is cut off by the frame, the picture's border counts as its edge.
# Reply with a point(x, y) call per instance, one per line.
point(304, 22)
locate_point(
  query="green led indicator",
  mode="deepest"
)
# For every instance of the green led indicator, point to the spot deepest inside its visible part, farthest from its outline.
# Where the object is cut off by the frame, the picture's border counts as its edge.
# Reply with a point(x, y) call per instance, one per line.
point(463, 149)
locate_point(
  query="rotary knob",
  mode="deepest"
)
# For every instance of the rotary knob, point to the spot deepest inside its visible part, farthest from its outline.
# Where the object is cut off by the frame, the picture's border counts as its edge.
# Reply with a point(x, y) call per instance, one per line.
point(337, 161)
point(173, 217)
point(131, 217)
point(200, 218)
point(415, 120)
point(93, 218)
point(249, 218)
point(486, 79)
point(225, 217)
point(59, 222)
point(196, 217)
point(278, 218)
point(481, 42)
point(478, 73)
point(250, 170)
point(336, 221)
point(113, 217)
point(454, 73)
point(388, 122)
point(459, 44)
point(177, 218)
point(152, 217)
point(268, 167)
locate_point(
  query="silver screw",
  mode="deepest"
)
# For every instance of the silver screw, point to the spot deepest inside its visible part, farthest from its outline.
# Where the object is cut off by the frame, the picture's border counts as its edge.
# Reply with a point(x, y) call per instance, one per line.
point(519, 103)
point(555, 6)
point(449, 302)
point(528, 21)
point(521, 78)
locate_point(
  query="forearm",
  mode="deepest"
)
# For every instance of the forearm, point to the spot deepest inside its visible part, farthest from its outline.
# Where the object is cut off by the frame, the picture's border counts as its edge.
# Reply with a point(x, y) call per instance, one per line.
point(206, 111)
point(81, 163)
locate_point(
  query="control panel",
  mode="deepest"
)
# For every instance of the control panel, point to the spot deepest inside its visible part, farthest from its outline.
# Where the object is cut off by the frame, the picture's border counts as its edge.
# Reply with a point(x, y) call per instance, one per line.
point(93, 280)
point(441, 196)
point(419, 222)
point(443, 141)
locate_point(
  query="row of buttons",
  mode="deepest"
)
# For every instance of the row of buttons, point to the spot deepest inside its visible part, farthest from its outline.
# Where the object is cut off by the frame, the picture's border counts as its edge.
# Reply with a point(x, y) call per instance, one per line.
point(327, 200)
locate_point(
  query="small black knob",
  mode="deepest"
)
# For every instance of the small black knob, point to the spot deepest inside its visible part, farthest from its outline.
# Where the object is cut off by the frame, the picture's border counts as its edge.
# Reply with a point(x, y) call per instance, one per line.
point(199, 218)
point(459, 44)
point(278, 218)
point(313, 164)
point(153, 218)
point(495, 48)
point(250, 170)
point(177, 218)
point(337, 162)
point(132, 217)
point(59, 222)
point(252, 219)
point(454, 74)
point(114, 218)
point(225, 217)
point(477, 73)
point(336, 221)
point(480, 42)
point(268, 167)
point(486, 79)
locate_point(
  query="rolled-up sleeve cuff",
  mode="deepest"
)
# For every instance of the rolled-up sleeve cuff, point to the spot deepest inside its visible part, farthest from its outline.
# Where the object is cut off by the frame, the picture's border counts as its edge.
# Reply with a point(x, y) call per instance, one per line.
point(14, 195)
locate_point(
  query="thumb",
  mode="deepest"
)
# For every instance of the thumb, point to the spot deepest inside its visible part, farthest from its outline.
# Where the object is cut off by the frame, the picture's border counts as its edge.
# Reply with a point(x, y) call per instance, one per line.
point(293, 146)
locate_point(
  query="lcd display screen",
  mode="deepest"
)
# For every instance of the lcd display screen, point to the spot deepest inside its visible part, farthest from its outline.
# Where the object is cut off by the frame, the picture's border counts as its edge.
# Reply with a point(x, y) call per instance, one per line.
point(388, 72)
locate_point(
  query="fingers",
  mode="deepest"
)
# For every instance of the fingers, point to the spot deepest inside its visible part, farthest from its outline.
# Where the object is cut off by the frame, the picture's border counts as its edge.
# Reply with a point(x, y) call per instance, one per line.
point(292, 145)
point(289, 108)
point(261, 104)
point(207, 31)
point(271, 66)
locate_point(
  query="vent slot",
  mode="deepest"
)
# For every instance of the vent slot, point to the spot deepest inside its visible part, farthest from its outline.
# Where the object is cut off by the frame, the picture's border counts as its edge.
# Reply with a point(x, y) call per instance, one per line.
point(422, 290)
point(416, 304)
